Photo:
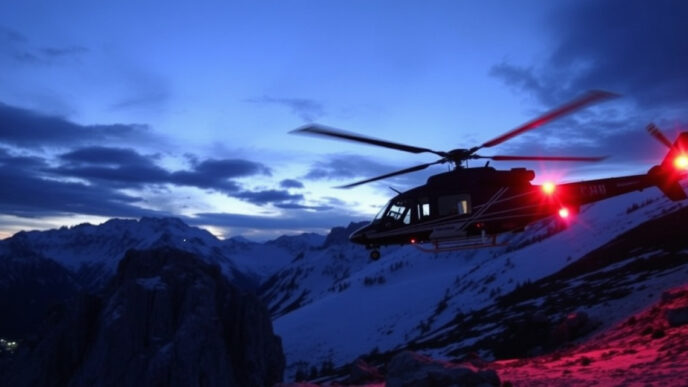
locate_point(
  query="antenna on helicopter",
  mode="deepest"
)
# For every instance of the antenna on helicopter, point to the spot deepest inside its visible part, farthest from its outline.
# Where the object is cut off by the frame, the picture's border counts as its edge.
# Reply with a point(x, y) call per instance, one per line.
point(395, 190)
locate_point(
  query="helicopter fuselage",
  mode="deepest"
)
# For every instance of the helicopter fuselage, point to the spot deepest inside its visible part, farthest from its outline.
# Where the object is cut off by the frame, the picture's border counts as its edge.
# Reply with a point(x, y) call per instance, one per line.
point(480, 202)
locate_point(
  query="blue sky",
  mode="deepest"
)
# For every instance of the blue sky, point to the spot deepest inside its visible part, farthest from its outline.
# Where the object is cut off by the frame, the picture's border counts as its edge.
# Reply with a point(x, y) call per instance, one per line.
point(183, 109)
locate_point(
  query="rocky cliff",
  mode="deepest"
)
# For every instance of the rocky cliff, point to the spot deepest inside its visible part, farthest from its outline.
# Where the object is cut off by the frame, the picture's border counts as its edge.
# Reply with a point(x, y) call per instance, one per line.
point(167, 318)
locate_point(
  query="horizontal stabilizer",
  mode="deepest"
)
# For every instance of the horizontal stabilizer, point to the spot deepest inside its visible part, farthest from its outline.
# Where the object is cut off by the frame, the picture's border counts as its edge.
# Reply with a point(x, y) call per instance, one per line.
point(673, 191)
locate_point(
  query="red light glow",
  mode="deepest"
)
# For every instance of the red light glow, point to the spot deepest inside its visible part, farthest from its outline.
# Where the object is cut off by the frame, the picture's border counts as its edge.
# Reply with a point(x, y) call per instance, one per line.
point(549, 188)
point(681, 162)
point(564, 212)
point(413, 241)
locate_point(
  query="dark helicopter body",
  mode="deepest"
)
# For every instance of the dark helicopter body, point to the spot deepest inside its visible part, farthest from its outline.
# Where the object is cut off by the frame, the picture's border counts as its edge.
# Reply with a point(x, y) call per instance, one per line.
point(469, 207)
point(474, 205)
point(460, 203)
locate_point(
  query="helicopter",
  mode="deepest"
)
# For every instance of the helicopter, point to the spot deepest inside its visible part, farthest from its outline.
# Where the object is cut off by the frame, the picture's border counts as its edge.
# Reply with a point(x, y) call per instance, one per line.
point(469, 207)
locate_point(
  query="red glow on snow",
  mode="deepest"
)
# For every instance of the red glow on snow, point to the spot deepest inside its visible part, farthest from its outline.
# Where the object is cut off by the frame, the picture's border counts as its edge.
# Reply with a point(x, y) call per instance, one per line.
point(681, 162)
point(549, 188)
point(564, 213)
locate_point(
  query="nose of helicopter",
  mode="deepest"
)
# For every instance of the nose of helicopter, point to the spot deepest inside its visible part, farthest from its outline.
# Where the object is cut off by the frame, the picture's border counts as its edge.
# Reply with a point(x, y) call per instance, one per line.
point(359, 236)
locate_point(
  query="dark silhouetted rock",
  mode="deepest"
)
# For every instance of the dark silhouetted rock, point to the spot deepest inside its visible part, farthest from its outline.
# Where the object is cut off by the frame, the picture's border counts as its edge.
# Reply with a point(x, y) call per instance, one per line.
point(409, 369)
point(670, 295)
point(677, 316)
point(29, 286)
point(574, 325)
point(166, 319)
point(340, 235)
point(362, 372)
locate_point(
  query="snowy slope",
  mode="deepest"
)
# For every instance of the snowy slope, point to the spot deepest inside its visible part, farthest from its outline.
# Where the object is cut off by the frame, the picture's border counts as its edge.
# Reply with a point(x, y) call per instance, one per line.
point(335, 305)
point(262, 260)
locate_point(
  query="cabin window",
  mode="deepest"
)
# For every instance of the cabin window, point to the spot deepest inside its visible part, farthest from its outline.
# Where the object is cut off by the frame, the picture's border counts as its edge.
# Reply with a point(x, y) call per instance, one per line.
point(407, 217)
point(423, 209)
point(454, 205)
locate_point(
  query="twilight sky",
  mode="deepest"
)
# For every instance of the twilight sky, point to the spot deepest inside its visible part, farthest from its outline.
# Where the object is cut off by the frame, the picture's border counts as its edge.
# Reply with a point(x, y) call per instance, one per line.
point(151, 108)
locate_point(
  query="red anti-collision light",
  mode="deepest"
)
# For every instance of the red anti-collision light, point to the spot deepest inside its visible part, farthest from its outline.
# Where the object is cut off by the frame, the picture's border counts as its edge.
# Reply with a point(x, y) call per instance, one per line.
point(564, 212)
point(681, 162)
point(413, 241)
point(549, 188)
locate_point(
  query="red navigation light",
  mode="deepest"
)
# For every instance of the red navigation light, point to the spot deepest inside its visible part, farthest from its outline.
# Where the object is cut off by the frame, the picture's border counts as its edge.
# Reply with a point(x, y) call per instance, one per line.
point(564, 212)
point(681, 161)
point(413, 241)
point(549, 188)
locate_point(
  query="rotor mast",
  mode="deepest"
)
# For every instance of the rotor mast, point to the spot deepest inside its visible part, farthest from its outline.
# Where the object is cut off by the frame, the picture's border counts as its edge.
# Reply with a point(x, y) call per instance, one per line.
point(458, 156)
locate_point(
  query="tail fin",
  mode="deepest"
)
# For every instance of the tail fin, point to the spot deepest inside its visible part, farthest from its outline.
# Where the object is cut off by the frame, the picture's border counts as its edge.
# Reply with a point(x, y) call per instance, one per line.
point(673, 168)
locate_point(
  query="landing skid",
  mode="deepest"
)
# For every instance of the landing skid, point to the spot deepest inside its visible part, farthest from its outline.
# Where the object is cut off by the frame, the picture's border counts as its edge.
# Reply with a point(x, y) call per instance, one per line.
point(446, 245)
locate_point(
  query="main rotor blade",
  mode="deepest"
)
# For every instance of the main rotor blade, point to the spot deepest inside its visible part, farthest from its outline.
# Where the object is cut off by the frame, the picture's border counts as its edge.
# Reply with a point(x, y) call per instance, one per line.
point(401, 172)
point(588, 98)
point(336, 133)
point(542, 158)
point(656, 133)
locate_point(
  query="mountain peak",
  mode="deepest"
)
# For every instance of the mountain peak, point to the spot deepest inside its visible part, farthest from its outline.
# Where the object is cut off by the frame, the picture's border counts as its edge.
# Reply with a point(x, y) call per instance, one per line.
point(340, 235)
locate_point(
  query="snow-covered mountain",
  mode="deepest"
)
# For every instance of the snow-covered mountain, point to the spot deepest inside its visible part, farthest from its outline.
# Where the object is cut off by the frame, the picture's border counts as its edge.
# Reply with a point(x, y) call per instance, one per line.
point(92, 252)
point(333, 305)
point(261, 260)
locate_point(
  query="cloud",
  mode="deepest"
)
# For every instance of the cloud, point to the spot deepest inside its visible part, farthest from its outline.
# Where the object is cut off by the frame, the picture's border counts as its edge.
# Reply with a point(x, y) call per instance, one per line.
point(57, 52)
point(30, 194)
point(106, 155)
point(268, 196)
point(143, 90)
point(633, 47)
point(152, 98)
point(29, 129)
point(351, 168)
point(345, 166)
point(291, 183)
point(37, 189)
point(18, 47)
point(295, 206)
point(126, 168)
point(306, 109)
point(230, 168)
point(10, 35)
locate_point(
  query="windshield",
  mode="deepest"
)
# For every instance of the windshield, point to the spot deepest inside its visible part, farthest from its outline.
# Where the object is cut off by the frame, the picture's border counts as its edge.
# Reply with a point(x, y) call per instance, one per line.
point(396, 210)
point(381, 212)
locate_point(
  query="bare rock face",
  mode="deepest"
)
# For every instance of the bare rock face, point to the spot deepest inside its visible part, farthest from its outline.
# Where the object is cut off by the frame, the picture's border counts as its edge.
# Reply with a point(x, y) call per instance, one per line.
point(167, 319)
point(677, 316)
point(409, 369)
point(362, 372)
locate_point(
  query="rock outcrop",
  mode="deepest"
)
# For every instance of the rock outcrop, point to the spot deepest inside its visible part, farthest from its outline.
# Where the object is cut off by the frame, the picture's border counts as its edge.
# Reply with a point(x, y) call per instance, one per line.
point(362, 373)
point(409, 369)
point(340, 235)
point(29, 286)
point(167, 318)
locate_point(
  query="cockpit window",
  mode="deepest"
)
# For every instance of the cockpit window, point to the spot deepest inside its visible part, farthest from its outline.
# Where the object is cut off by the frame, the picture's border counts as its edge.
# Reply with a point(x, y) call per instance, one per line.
point(398, 211)
point(381, 212)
